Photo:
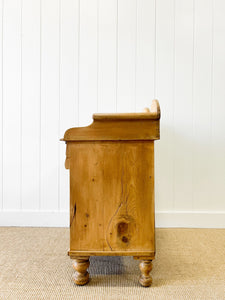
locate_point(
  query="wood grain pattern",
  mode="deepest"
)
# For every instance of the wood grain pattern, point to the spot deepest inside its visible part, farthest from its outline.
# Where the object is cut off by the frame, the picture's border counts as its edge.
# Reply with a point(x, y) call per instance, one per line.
point(80, 265)
point(138, 254)
point(119, 126)
point(115, 130)
point(130, 191)
point(145, 267)
point(112, 189)
point(115, 197)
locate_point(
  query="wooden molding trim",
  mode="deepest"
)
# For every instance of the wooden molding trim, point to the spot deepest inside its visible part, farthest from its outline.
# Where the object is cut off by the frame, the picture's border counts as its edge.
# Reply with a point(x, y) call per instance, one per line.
point(119, 126)
point(136, 253)
point(149, 114)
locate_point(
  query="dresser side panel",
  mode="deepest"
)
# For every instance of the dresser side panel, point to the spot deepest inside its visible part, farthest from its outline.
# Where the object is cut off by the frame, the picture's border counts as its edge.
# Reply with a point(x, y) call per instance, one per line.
point(112, 196)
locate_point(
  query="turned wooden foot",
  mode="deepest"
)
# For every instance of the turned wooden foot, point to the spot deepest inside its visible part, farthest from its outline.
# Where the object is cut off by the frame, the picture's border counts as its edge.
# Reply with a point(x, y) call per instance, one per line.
point(81, 276)
point(145, 267)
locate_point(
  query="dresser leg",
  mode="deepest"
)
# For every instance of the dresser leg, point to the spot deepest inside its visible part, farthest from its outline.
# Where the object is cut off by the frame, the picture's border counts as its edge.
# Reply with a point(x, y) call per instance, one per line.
point(145, 267)
point(80, 265)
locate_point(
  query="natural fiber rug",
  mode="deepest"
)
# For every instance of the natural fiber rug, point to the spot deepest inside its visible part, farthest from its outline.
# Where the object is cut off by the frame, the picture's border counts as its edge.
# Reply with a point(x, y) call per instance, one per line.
point(190, 264)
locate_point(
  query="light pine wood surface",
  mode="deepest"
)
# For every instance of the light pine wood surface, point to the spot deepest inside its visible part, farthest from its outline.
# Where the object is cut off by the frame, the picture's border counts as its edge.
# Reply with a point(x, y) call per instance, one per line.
point(111, 165)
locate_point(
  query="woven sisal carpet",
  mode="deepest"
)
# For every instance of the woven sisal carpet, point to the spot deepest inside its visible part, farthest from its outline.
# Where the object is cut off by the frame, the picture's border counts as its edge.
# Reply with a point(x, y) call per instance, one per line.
point(190, 264)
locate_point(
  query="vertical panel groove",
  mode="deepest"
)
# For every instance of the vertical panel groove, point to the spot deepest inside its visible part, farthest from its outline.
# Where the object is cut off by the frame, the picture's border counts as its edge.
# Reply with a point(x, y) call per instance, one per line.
point(88, 63)
point(2, 15)
point(12, 104)
point(212, 88)
point(50, 105)
point(212, 68)
point(193, 71)
point(59, 119)
point(106, 36)
point(68, 86)
point(40, 108)
point(21, 98)
point(173, 103)
point(218, 107)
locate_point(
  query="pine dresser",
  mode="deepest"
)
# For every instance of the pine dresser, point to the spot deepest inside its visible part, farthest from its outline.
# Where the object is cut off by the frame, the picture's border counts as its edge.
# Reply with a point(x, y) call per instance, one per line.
point(111, 165)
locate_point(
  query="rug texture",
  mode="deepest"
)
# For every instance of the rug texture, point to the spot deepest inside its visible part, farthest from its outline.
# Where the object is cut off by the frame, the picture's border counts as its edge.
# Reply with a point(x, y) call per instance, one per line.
point(189, 264)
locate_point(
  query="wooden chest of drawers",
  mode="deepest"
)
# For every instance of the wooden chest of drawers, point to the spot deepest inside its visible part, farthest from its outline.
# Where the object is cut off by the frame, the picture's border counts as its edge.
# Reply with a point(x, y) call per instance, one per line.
point(111, 165)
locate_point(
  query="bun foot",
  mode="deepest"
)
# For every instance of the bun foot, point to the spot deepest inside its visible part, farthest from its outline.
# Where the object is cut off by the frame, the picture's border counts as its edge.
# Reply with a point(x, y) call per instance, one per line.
point(81, 276)
point(145, 267)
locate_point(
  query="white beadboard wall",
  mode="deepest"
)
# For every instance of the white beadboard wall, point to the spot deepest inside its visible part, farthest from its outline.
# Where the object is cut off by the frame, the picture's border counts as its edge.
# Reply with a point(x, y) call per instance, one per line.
point(62, 60)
